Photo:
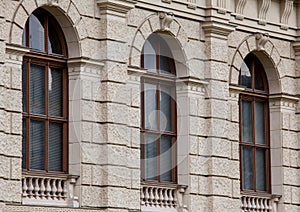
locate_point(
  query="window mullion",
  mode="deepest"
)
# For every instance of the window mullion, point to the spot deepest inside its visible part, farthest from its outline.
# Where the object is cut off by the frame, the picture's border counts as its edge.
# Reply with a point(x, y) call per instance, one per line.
point(46, 121)
point(158, 129)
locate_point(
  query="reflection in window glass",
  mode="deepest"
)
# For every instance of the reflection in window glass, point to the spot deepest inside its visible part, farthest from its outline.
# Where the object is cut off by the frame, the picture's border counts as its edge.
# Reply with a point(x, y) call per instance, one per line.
point(150, 157)
point(259, 123)
point(245, 75)
point(36, 33)
point(246, 121)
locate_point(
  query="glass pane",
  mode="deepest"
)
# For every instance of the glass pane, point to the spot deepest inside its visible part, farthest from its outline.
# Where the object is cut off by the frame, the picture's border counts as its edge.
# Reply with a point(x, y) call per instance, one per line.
point(55, 146)
point(166, 159)
point(260, 169)
point(54, 45)
point(259, 123)
point(24, 144)
point(37, 89)
point(165, 64)
point(24, 90)
point(150, 157)
point(245, 75)
point(150, 106)
point(247, 168)
point(37, 145)
point(149, 56)
point(165, 109)
point(246, 121)
point(36, 33)
point(24, 37)
point(55, 92)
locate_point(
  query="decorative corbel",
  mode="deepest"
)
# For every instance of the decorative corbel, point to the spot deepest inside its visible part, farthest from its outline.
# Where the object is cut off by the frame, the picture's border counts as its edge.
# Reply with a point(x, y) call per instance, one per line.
point(240, 5)
point(288, 7)
point(53, 2)
point(180, 193)
point(264, 6)
point(222, 6)
point(261, 40)
point(165, 20)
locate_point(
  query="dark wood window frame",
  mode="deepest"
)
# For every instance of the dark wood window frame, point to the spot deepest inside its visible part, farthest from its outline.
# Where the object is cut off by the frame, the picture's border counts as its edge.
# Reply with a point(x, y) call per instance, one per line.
point(158, 79)
point(47, 60)
point(254, 95)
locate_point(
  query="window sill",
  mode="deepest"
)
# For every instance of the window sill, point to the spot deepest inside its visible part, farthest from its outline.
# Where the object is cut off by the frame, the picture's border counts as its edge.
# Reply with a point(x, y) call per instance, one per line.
point(49, 189)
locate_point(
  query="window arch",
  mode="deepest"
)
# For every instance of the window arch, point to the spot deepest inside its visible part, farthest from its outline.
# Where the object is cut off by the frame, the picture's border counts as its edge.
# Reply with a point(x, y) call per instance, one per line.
point(45, 95)
point(158, 108)
point(254, 127)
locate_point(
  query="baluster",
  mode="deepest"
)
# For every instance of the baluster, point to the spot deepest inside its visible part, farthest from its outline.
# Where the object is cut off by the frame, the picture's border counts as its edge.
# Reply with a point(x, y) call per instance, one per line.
point(59, 189)
point(48, 188)
point(42, 188)
point(161, 197)
point(151, 196)
point(24, 181)
point(142, 197)
point(170, 198)
point(156, 197)
point(36, 187)
point(166, 198)
point(30, 187)
point(147, 196)
point(53, 188)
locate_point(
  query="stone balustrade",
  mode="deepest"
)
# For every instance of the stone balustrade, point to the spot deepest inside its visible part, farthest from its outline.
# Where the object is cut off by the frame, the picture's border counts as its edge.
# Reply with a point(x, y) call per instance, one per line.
point(259, 203)
point(57, 190)
point(162, 197)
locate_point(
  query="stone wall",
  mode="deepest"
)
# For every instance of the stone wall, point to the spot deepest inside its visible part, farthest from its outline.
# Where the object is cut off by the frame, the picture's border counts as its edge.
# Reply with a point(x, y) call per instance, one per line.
point(105, 40)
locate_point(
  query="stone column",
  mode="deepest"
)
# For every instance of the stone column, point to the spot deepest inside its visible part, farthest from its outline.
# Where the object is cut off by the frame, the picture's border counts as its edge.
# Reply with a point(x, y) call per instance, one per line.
point(223, 168)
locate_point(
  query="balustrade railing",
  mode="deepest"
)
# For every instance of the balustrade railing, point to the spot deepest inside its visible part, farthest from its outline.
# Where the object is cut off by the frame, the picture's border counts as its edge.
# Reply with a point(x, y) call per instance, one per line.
point(258, 203)
point(162, 198)
point(49, 190)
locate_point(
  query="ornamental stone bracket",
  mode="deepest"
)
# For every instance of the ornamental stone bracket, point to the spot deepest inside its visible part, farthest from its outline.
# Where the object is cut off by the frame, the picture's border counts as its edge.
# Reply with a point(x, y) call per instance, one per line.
point(288, 7)
point(165, 20)
point(263, 8)
point(115, 7)
point(240, 5)
point(261, 40)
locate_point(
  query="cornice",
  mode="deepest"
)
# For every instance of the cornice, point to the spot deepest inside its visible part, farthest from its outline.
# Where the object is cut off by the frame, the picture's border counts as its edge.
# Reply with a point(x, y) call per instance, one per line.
point(116, 7)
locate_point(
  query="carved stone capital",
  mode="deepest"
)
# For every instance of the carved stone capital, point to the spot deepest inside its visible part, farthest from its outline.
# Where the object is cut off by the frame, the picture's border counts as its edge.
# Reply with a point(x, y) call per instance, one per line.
point(261, 40)
point(115, 7)
point(218, 30)
point(165, 20)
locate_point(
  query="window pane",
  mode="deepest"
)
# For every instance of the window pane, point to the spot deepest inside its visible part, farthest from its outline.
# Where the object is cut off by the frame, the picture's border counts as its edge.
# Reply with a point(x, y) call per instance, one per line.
point(149, 56)
point(258, 76)
point(37, 145)
point(259, 123)
point(36, 33)
point(165, 64)
point(55, 146)
point(24, 144)
point(150, 157)
point(245, 75)
point(24, 90)
point(246, 121)
point(150, 106)
point(247, 168)
point(165, 109)
point(37, 89)
point(166, 159)
point(54, 45)
point(55, 92)
point(260, 170)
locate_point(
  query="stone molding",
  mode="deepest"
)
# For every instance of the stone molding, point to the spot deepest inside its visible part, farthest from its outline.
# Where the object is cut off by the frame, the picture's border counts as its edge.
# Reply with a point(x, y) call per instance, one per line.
point(222, 6)
point(90, 66)
point(256, 42)
point(284, 100)
point(217, 29)
point(15, 53)
point(116, 7)
point(191, 84)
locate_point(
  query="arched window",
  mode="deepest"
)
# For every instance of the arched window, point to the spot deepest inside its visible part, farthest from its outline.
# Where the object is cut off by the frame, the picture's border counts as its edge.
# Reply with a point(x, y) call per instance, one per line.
point(254, 127)
point(158, 108)
point(45, 95)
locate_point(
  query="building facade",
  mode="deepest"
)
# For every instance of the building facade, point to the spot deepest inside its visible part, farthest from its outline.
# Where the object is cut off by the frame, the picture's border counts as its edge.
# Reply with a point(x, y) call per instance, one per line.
point(139, 105)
